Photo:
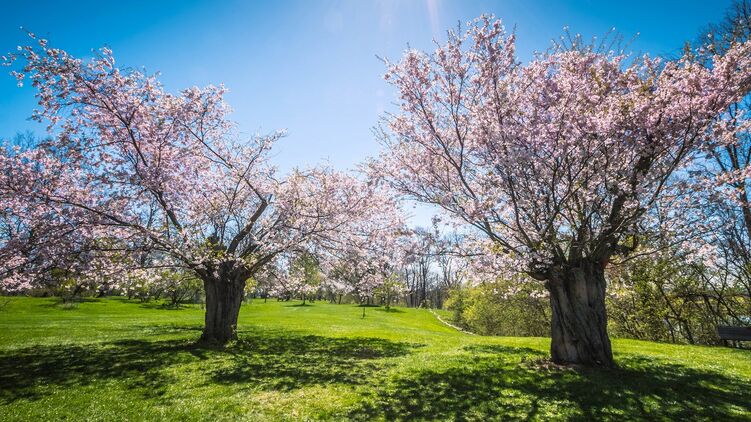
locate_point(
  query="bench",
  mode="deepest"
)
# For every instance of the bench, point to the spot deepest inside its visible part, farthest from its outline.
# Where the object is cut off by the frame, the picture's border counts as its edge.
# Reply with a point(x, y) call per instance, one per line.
point(727, 332)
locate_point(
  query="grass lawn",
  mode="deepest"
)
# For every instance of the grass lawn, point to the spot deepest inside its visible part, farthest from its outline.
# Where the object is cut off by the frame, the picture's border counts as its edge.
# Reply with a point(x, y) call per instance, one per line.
point(118, 360)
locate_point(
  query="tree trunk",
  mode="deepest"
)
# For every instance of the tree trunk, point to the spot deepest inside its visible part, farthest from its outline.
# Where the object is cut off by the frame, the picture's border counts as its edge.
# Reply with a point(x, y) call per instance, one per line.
point(223, 299)
point(579, 321)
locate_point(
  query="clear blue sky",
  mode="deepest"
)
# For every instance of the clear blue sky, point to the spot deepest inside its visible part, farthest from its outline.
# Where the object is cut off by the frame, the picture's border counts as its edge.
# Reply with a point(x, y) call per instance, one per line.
point(310, 66)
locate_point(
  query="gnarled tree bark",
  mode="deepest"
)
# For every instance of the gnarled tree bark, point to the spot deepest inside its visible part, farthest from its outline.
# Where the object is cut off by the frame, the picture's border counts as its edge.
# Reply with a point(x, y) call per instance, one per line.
point(224, 295)
point(579, 332)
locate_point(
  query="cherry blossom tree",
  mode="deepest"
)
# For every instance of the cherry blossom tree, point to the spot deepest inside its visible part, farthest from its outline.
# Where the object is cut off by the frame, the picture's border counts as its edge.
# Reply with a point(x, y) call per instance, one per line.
point(390, 288)
point(336, 289)
point(372, 250)
point(727, 170)
point(557, 161)
point(298, 276)
point(142, 178)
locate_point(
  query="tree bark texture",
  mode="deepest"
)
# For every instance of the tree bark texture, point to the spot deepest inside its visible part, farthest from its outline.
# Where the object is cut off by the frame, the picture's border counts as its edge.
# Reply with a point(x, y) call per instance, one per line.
point(579, 320)
point(224, 295)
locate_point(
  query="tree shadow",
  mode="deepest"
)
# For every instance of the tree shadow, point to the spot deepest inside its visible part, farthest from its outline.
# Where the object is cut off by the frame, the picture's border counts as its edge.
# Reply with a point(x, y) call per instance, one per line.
point(266, 359)
point(391, 310)
point(161, 305)
point(59, 303)
point(27, 373)
point(498, 349)
point(166, 329)
point(511, 383)
point(284, 362)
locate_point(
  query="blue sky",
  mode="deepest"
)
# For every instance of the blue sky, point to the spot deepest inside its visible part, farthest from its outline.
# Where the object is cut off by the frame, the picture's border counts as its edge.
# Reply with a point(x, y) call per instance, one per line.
point(310, 66)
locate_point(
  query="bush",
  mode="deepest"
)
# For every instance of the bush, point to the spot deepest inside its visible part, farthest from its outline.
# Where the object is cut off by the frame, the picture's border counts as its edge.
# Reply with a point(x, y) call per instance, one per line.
point(502, 308)
point(180, 288)
point(457, 304)
point(673, 300)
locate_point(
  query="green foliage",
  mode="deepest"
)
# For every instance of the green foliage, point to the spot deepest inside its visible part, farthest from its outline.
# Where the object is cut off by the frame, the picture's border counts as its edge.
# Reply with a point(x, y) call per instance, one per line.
point(179, 288)
point(114, 359)
point(667, 299)
point(456, 303)
point(308, 270)
point(389, 290)
point(635, 308)
point(501, 307)
point(63, 284)
point(307, 264)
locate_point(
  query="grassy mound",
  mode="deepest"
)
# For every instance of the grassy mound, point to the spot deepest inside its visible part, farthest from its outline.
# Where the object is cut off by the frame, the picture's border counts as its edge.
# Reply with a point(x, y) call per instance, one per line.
point(113, 359)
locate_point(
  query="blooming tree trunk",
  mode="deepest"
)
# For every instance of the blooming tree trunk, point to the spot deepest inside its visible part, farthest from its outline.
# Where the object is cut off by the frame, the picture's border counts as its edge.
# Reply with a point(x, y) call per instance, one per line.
point(224, 296)
point(579, 320)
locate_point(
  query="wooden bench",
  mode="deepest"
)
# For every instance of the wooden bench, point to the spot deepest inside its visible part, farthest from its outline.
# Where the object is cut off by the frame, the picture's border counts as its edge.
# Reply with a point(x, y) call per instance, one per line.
point(727, 332)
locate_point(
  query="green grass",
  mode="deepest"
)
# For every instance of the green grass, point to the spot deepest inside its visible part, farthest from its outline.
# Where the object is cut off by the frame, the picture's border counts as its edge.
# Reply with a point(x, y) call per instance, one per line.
point(117, 360)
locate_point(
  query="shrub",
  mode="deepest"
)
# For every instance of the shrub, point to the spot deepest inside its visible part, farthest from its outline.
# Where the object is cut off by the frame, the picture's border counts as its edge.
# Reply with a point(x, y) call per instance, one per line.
point(501, 307)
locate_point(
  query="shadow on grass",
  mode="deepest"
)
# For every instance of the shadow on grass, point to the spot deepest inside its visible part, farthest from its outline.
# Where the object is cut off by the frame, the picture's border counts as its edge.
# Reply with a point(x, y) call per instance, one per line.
point(265, 360)
point(31, 372)
point(288, 362)
point(161, 305)
point(391, 310)
point(487, 382)
point(167, 329)
point(497, 382)
point(56, 302)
